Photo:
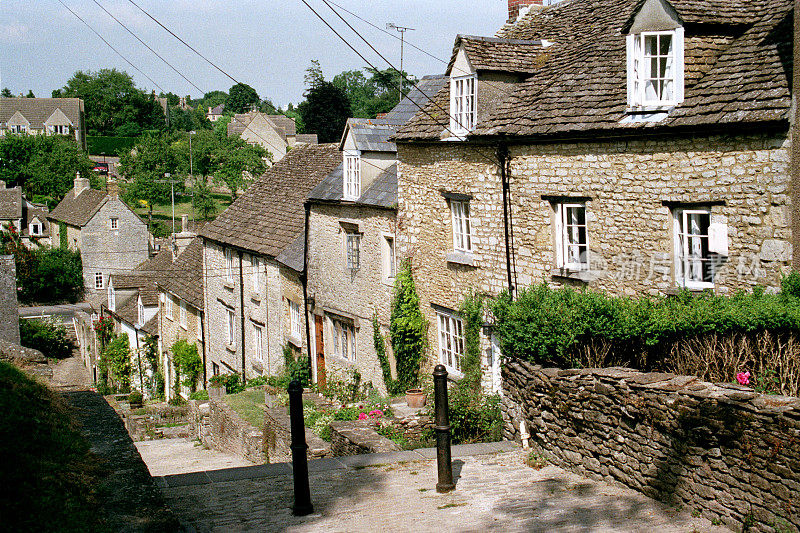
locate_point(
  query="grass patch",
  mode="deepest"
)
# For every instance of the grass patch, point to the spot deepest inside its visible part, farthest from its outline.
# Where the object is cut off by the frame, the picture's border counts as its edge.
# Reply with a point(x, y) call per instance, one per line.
point(249, 405)
point(50, 477)
point(183, 206)
point(449, 505)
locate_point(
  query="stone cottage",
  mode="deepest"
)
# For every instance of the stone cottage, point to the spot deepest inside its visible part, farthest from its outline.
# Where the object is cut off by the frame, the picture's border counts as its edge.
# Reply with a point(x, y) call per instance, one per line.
point(28, 219)
point(351, 244)
point(44, 116)
point(252, 265)
point(632, 146)
point(109, 235)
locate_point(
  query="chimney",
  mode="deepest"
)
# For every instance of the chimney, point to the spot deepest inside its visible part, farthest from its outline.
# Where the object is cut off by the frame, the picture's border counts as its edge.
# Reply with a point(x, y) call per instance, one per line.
point(184, 223)
point(2, 184)
point(81, 184)
point(112, 187)
point(181, 240)
point(519, 8)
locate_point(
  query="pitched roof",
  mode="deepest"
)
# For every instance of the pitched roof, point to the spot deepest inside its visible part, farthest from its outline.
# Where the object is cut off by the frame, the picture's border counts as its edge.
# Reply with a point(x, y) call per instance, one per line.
point(11, 203)
point(185, 277)
point(287, 123)
point(579, 87)
point(38, 110)
point(307, 138)
point(496, 54)
point(292, 255)
point(370, 134)
point(270, 214)
point(382, 192)
point(79, 211)
point(416, 98)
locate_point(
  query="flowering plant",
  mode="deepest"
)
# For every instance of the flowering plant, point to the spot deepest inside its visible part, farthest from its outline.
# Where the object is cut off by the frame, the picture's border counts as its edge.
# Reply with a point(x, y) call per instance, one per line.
point(743, 378)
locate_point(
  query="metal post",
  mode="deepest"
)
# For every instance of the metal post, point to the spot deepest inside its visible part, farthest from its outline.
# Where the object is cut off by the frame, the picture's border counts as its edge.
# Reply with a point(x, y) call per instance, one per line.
point(302, 494)
point(442, 427)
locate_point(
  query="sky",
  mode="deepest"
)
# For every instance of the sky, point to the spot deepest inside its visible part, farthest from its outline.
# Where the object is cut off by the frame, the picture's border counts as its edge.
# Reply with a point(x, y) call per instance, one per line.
point(267, 44)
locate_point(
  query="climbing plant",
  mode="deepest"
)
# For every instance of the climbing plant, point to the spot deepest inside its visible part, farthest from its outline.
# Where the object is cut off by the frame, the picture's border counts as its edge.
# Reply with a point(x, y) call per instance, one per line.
point(116, 362)
point(187, 363)
point(155, 381)
point(472, 314)
point(407, 329)
point(380, 349)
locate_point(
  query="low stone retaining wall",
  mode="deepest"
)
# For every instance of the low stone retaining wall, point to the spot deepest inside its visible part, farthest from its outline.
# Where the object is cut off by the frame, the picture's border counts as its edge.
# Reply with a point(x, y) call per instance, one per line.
point(722, 450)
point(414, 427)
point(355, 438)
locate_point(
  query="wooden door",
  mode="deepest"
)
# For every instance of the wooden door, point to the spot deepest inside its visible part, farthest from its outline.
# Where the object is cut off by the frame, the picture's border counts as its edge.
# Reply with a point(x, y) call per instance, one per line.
point(320, 353)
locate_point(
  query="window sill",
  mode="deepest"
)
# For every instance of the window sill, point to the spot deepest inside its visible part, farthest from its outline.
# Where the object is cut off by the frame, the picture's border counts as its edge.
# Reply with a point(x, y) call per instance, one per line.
point(453, 374)
point(585, 276)
point(460, 258)
point(388, 281)
point(291, 339)
point(256, 297)
point(231, 348)
point(228, 285)
point(694, 287)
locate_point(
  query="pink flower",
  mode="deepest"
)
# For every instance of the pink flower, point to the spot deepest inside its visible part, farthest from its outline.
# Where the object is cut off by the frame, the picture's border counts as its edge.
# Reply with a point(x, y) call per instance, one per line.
point(362, 416)
point(376, 413)
point(743, 378)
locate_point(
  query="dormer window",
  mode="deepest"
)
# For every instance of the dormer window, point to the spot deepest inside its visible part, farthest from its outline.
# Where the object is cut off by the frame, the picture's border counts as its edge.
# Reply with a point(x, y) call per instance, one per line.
point(655, 69)
point(462, 104)
point(352, 174)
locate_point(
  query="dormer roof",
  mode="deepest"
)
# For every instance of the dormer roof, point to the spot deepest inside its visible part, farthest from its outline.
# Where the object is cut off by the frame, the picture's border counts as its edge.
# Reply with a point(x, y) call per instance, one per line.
point(369, 134)
point(496, 54)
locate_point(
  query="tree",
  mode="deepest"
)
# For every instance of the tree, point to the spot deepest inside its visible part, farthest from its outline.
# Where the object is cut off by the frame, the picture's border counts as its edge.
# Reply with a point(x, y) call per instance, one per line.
point(376, 94)
point(212, 99)
point(241, 99)
point(202, 200)
point(6, 93)
point(236, 163)
point(325, 111)
point(43, 165)
point(407, 330)
point(113, 104)
point(151, 159)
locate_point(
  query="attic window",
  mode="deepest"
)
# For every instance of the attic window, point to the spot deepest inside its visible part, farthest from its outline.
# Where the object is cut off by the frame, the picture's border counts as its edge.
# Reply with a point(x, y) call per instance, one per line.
point(655, 69)
point(462, 104)
point(352, 174)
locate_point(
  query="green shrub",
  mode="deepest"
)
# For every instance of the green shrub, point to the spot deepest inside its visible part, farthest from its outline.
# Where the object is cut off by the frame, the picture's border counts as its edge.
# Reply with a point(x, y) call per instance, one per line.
point(187, 363)
point(790, 285)
point(407, 330)
point(115, 361)
point(49, 336)
point(47, 275)
point(135, 398)
point(110, 146)
point(232, 382)
point(474, 417)
point(199, 395)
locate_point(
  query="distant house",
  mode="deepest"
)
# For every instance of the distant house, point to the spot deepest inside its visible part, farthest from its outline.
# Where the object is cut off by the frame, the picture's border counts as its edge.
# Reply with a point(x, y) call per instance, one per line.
point(275, 133)
point(28, 219)
point(44, 116)
point(109, 235)
point(253, 258)
point(215, 113)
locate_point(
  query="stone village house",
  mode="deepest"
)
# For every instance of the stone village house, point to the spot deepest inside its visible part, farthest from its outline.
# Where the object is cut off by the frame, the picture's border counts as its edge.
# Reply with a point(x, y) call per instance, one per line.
point(351, 244)
point(252, 264)
point(44, 116)
point(28, 219)
point(109, 235)
point(275, 133)
point(631, 146)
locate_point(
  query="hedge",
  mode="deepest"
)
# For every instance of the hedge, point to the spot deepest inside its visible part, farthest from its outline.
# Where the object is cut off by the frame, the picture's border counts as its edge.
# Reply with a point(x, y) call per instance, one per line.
point(110, 146)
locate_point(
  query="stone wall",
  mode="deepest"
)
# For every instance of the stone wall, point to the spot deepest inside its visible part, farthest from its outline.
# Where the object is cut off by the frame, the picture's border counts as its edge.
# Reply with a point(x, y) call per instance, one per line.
point(719, 449)
point(9, 315)
point(356, 438)
point(230, 433)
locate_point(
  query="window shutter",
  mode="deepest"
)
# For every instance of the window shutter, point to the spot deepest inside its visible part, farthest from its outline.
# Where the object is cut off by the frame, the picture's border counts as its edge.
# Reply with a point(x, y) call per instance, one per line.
point(629, 43)
point(718, 238)
point(678, 49)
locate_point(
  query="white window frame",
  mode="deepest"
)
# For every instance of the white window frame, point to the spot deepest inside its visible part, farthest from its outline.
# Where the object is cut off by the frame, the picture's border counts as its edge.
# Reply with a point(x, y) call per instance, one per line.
point(199, 331)
point(231, 326)
point(182, 314)
point(295, 318)
point(690, 267)
point(168, 306)
point(98, 281)
point(352, 250)
point(343, 333)
point(567, 235)
point(258, 342)
point(463, 108)
point(112, 298)
point(351, 174)
point(462, 225)
point(38, 229)
point(636, 69)
point(114, 222)
point(256, 266)
point(140, 310)
point(451, 340)
point(389, 257)
point(229, 265)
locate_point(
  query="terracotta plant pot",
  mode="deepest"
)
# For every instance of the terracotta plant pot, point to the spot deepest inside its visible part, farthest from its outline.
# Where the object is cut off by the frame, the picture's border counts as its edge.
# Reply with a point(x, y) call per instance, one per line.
point(415, 398)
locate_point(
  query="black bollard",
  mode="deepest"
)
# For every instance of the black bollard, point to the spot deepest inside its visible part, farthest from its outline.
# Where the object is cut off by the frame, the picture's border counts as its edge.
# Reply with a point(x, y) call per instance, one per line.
point(442, 428)
point(302, 494)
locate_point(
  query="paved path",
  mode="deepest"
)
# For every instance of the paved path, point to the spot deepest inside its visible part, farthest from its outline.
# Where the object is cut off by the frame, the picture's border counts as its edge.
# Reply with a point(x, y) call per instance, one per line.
point(396, 492)
point(178, 456)
point(70, 374)
point(63, 311)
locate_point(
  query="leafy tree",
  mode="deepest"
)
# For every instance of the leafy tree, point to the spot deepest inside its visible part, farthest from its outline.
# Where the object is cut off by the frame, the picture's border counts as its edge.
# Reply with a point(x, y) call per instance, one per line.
point(43, 165)
point(153, 157)
point(407, 330)
point(241, 98)
point(6, 93)
point(202, 200)
point(212, 99)
point(325, 111)
point(236, 163)
point(30, 94)
point(314, 76)
point(114, 106)
point(375, 94)
point(49, 336)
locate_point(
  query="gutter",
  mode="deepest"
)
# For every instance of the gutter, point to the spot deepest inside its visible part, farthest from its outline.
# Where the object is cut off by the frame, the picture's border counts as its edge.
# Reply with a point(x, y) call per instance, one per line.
point(304, 278)
point(241, 303)
point(502, 157)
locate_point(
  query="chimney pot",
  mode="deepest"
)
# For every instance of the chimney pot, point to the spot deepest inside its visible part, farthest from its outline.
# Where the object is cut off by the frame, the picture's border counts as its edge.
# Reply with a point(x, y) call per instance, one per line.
point(80, 184)
point(515, 6)
point(184, 223)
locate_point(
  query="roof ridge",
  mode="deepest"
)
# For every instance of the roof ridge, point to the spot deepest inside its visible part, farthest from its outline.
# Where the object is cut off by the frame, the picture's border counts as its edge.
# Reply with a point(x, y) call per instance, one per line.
point(498, 39)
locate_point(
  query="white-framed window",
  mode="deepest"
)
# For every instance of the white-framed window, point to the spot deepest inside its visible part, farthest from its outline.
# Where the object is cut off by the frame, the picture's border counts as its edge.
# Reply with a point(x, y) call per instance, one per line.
point(231, 326)
point(295, 318)
point(199, 325)
point(572, 248)
point(462, 225)
point(59, 129)
point(98, 280)
point(182, 314)
point(35, 229)
point(451, 340)
point(352, 174)
point(344, 339)
point(112, 298)
point(256, 261)
point(655, 68)
point(389, 259)
point(229, 265)
point(168, 306)
point(258, 342)
point(700, 247)
point(462, 104)
point(18, 128)
point(114, 223)
point(140, 309)
point(353, 250)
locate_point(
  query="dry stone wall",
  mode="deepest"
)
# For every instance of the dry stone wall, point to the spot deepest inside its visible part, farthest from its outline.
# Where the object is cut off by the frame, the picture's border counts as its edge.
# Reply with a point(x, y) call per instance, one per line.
point(720, 449)
point(357, 437)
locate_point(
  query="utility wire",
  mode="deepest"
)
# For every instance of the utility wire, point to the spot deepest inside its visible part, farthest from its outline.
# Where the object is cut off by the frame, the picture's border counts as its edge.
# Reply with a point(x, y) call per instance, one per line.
point(148, 47)
point(111, 46)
